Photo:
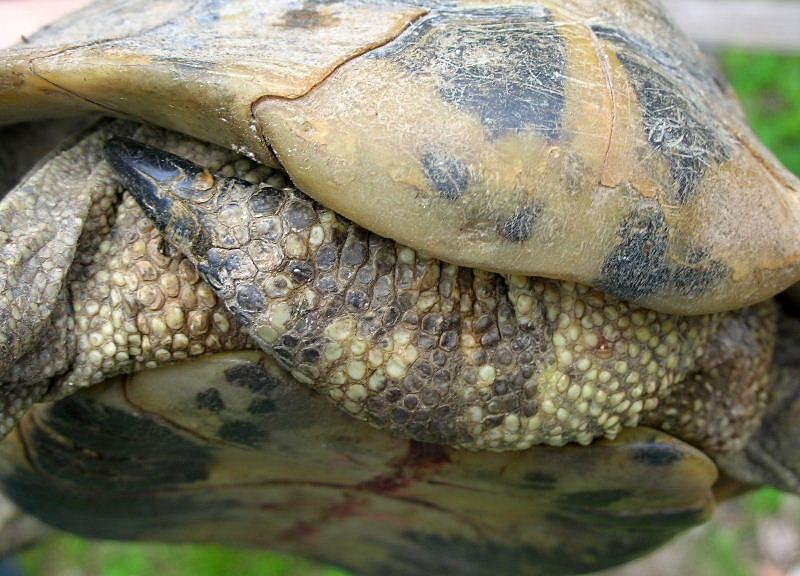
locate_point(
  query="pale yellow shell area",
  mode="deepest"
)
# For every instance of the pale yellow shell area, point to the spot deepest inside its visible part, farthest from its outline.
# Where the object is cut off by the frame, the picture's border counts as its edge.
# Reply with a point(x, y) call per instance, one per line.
point(583, 140)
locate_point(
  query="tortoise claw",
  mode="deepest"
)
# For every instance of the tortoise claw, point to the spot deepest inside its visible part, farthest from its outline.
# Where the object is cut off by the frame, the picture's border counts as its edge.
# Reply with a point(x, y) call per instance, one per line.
point(161, 182)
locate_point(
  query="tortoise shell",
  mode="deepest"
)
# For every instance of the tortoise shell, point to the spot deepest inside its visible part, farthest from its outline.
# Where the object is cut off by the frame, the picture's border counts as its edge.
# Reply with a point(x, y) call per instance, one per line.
point(228, 448)
point(586, 141)
point(225, 446)
point(621, 145)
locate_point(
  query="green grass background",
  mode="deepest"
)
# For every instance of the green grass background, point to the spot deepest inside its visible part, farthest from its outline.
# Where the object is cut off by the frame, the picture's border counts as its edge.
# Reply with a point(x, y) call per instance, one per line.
point(769, 88)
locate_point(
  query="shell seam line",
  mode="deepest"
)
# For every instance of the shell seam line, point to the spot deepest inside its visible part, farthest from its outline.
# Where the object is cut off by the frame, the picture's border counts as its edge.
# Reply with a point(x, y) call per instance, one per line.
point(163, 419)
point(603, 58)
point(32, 62)
point(70, 92)
point(347, 59)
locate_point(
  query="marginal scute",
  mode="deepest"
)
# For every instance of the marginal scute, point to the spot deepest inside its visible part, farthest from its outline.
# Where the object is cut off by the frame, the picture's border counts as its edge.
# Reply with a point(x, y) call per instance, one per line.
point(212, 101)
point(475, 53)
point(677, 117)
point(622, 109)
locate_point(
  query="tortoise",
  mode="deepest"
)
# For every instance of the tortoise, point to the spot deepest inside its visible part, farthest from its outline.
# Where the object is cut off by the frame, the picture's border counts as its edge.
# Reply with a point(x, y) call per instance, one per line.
point(533, 246)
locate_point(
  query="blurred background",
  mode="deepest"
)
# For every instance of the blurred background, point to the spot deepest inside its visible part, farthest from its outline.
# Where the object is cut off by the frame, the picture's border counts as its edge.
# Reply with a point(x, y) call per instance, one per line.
point(757, 43)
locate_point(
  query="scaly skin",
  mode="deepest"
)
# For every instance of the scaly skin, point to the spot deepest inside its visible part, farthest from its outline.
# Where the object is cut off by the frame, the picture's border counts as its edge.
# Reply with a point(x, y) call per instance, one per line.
point(41, 221)
point(426, 349)
point(123, 299)
point(771, 454)
point(441, 353)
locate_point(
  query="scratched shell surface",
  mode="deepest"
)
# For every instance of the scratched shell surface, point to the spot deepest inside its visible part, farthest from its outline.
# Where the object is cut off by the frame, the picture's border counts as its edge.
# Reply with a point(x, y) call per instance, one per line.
point(229, 448)
point(584, 140)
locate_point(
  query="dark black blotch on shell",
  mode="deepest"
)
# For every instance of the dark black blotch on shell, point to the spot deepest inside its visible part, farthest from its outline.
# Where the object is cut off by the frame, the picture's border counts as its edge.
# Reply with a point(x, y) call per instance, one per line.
point(657, 455)
point(252, 377)
point(243, 432)
point(448, 175)
point(519, 226)
point(593, 498)
point(678, 119)
point(699, 275)
point(507, 65)
point(637, 266)
point(210, 400)
point(112, 450)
